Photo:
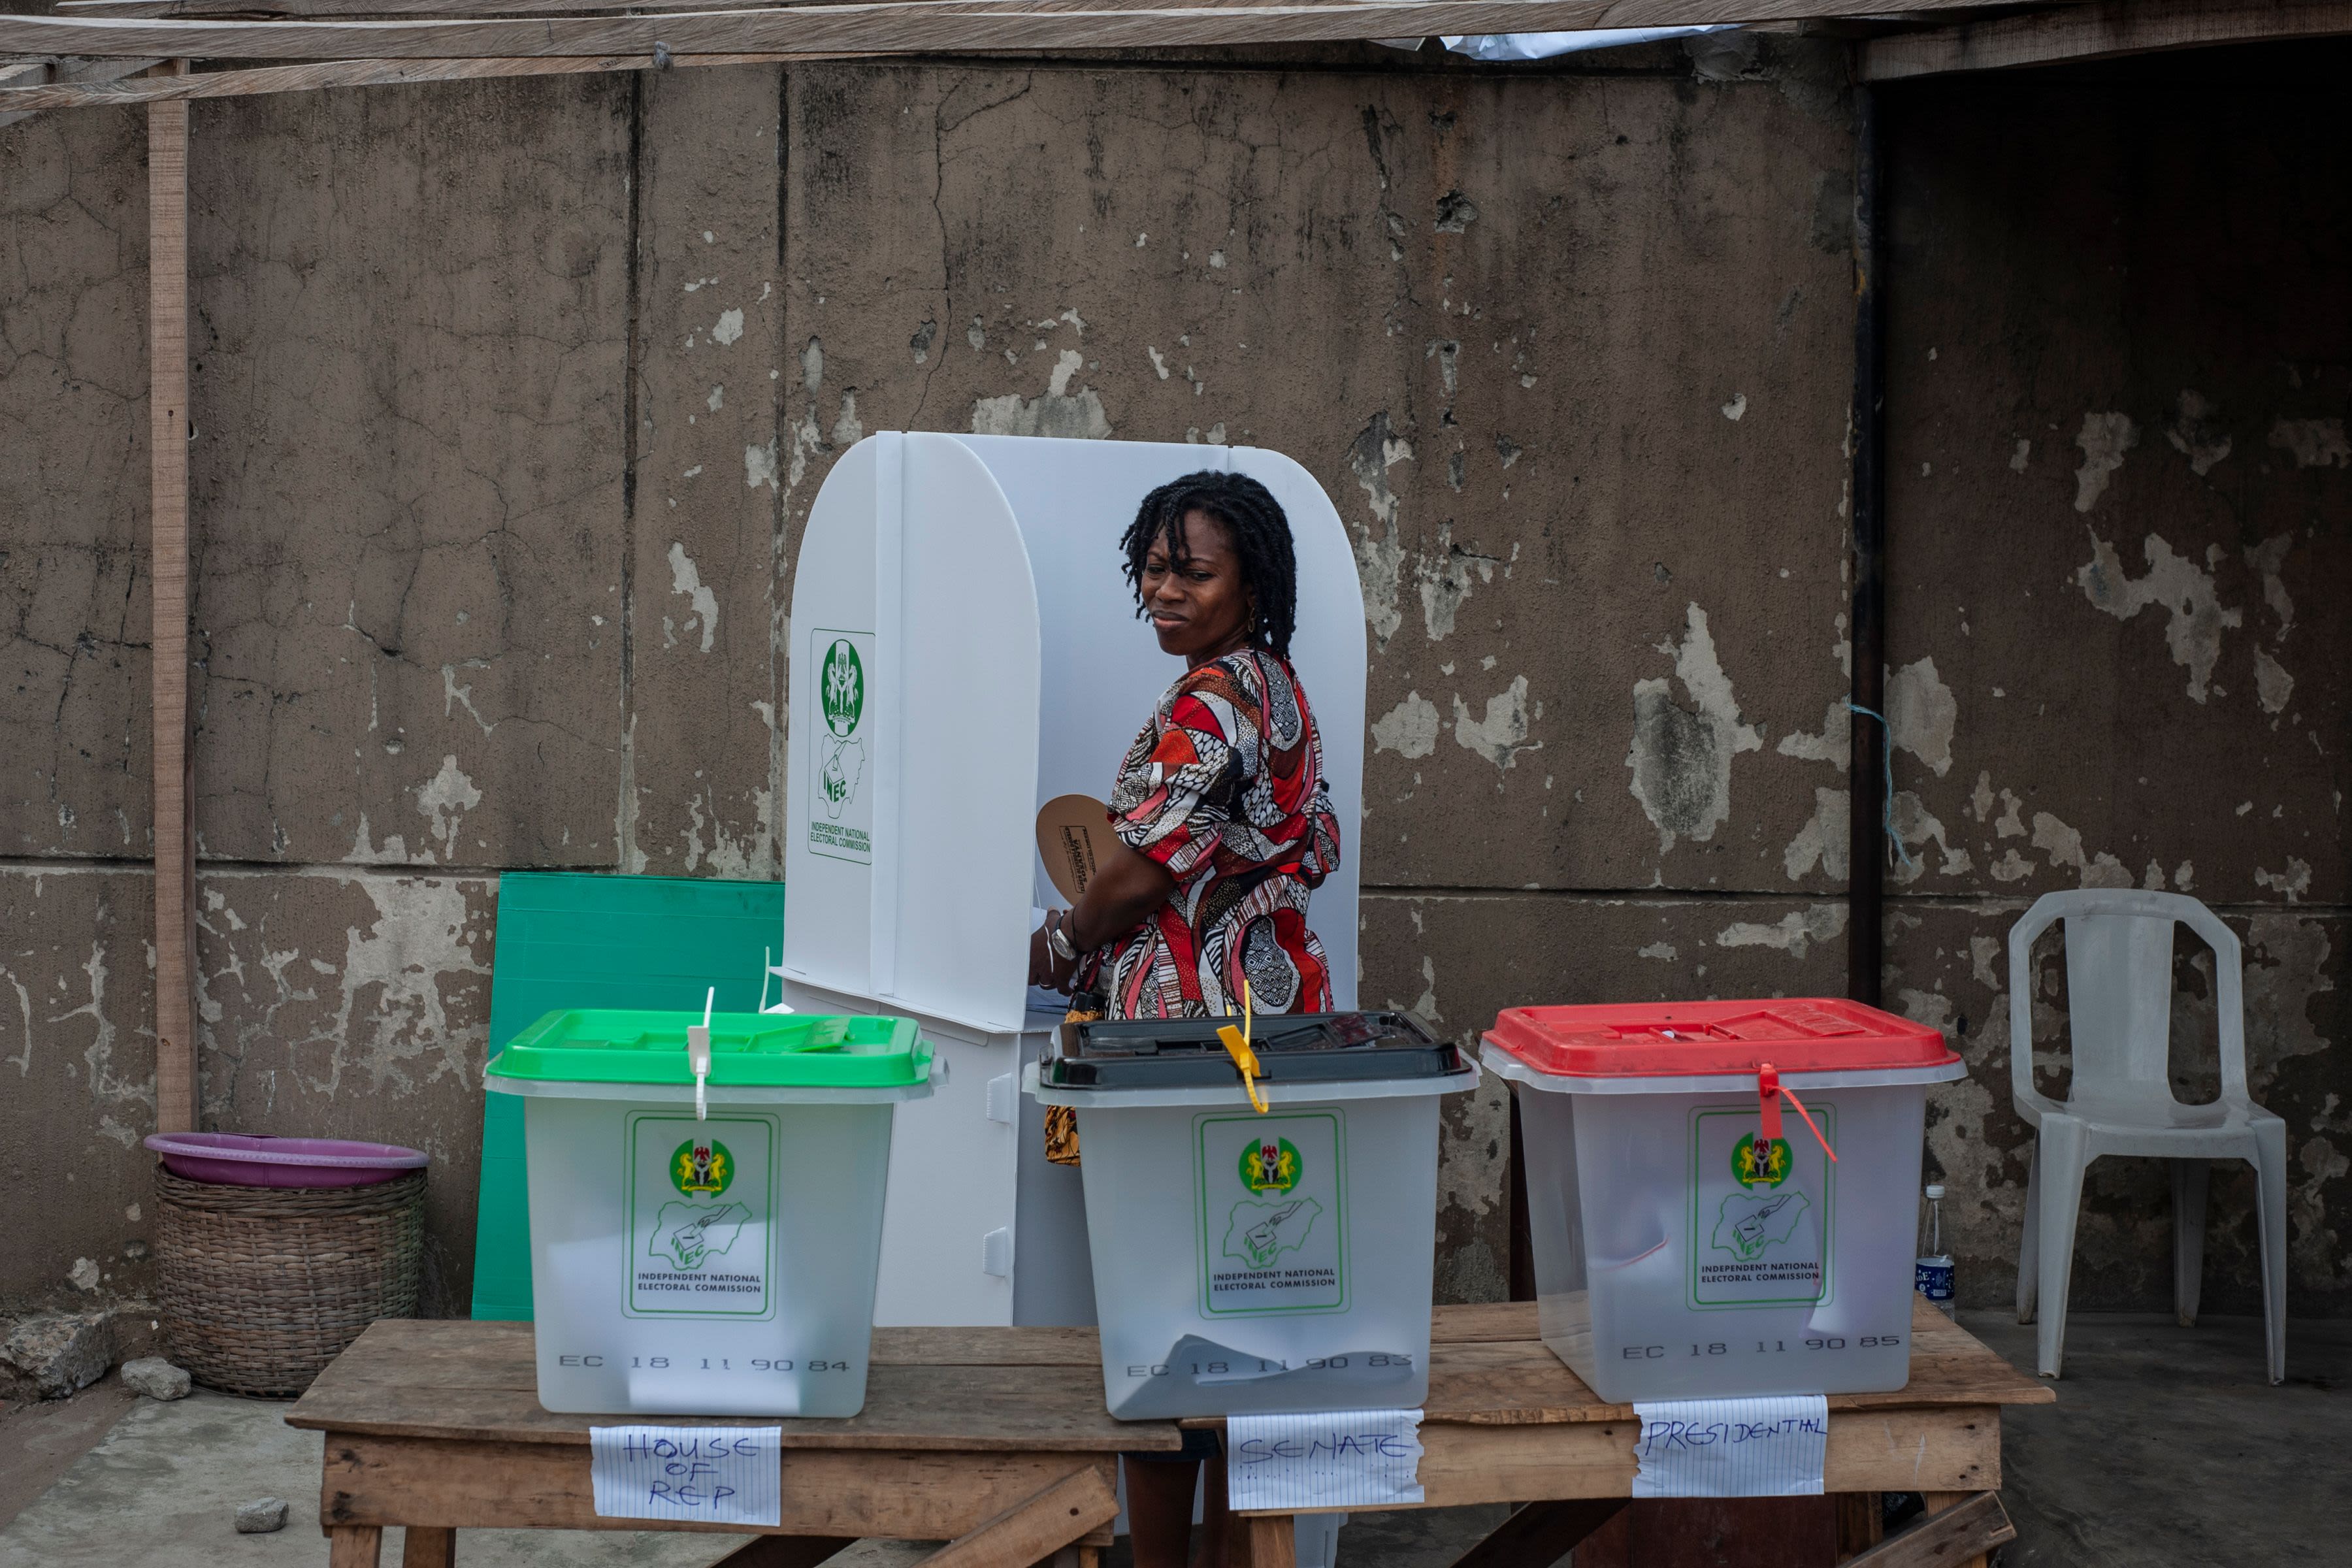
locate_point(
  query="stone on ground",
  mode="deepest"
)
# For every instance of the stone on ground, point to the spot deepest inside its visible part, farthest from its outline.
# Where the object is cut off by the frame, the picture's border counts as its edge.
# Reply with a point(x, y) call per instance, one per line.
point(156, 1378)
point(262, 1516)
point(47, 1355)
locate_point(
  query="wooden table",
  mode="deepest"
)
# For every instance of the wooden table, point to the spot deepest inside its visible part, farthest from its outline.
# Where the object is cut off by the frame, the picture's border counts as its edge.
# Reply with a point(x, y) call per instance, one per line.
point(996, 1441)
point(1507, 1422)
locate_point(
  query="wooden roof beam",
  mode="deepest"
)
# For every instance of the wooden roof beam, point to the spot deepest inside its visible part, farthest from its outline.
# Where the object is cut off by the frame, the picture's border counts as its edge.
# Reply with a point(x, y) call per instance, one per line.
point(312, 75)
point(2103, 31)
point(33, 75)
point(881, 28)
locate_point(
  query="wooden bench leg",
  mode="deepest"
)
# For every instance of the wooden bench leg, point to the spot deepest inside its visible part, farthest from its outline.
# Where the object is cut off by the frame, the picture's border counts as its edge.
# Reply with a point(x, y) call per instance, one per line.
point(784, 1552)
point(1861, 1522)
point(1262, 1541)
point(355, 1546)
point(1538, 1534)
point(1034, 1529)
point(1958, 1531)
point(428, 1546)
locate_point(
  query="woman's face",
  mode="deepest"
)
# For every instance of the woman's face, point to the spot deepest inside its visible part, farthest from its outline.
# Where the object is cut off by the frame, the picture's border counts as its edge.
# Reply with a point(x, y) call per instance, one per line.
point(1197, 602)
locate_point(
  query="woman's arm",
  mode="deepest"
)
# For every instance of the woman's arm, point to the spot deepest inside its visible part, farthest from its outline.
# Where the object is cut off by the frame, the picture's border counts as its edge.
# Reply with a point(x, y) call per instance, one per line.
point(1126, 888)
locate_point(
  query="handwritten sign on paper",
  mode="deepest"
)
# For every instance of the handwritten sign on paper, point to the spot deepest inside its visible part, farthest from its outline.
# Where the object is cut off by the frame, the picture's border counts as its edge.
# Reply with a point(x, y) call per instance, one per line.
point(1772, 1447)
point(1335, 1458)
point(703, 1475)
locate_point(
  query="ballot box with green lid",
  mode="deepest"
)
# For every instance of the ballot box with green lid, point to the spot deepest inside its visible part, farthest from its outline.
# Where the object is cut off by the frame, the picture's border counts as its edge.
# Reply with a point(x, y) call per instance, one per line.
point(1262, 1219)
point(706, 1205)
point(1720, 1194)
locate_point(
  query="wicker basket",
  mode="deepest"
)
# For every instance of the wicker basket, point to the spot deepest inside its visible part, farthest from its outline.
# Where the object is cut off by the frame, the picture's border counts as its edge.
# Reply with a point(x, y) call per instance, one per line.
point(261, 1287)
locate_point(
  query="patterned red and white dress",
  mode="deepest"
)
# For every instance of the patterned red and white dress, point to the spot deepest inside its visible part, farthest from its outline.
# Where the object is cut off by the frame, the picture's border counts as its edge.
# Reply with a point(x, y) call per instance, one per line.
point(1224, 787)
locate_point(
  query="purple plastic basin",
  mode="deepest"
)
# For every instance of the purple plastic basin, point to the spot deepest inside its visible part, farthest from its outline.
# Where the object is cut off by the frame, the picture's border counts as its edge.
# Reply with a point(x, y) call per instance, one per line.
point(237, 1160)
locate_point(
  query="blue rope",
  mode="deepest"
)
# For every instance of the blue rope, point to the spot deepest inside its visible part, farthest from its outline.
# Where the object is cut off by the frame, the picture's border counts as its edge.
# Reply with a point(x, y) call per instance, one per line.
point(1886, 811)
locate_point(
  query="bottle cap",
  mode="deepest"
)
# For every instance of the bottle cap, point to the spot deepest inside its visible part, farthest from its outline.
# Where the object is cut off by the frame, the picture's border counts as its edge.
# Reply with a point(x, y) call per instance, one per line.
point(1935, 1189)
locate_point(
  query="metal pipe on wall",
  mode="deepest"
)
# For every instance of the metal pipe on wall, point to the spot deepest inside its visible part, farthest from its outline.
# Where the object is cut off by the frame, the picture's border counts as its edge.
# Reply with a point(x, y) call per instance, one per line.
point(1865, 855)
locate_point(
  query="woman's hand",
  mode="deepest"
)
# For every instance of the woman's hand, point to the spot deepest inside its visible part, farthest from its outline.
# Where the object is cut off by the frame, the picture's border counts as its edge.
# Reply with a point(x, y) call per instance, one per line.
point(1046, 967)
point(1125, 889)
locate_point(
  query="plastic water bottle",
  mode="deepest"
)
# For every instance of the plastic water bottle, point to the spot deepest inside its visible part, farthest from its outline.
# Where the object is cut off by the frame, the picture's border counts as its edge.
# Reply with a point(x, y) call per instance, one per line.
point(1932, 1278)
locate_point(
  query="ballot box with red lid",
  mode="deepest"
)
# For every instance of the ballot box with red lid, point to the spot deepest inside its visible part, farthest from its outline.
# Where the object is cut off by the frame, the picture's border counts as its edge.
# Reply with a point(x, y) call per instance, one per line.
point(1722, 1195)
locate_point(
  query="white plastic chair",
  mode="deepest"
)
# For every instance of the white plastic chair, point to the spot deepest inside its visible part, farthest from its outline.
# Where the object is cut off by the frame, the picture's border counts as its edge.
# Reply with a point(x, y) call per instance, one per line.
point(2119, 1005)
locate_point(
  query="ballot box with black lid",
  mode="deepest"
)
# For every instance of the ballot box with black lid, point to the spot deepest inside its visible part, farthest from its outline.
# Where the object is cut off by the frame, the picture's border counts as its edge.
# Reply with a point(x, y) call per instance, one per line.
point(1261, 1205)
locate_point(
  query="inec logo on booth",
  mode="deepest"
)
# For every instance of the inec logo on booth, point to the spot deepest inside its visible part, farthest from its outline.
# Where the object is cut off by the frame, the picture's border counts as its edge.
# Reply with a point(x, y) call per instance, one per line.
point(841, 688)
point(840, 751)
point(1754, 1166)
point(701, 1166)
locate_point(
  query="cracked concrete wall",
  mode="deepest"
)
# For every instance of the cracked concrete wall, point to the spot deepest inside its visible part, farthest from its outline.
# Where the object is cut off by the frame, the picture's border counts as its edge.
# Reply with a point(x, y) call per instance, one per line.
point(1549, 339)
point(2120, 357)
point(499, 461)
point(409, 354)
point(510, 399)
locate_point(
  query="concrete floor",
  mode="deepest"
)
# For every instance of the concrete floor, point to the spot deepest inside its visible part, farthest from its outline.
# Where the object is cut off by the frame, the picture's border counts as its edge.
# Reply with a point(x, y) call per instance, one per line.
point(2166, 1449)
point(2168, 1445)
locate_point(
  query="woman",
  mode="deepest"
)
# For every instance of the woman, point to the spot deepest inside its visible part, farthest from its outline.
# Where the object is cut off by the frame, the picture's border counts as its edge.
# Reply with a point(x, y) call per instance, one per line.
point(1224, 826)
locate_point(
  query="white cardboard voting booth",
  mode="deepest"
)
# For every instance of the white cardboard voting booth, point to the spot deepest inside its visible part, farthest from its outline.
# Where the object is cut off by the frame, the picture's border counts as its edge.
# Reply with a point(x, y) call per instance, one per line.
point(964, 649)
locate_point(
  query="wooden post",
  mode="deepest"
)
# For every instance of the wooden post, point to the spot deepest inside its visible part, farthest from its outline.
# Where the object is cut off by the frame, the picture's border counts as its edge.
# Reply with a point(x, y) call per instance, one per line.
point(425, 1546)
point(167, 346)
point(355, 1546)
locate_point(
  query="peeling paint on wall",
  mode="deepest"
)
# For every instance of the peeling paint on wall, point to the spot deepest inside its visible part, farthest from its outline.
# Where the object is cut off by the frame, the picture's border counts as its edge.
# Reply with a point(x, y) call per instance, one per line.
point(1824, 839)
point(760, 464)
point(685, 579)
point(2272, 685)
point(1917, 827)
point(2197, 616)
point(109, 1090)
point(2290, 884)
point(2198, 434)
point(2315, 443)
point(1409, 729)
point(2104, 438)
point(392, 1023)
point(2063, 845)
point(1502, 734)
point(1681, 757)
point(2269, 558)
point(1445, 578)
point(1793, 934)
point(1920, 714)
point(1379, 551)
point(1059, 412)
point(443, 801)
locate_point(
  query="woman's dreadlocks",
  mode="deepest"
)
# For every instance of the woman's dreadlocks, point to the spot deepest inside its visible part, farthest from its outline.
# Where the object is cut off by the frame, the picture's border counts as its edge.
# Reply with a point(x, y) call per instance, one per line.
point(1260, 538)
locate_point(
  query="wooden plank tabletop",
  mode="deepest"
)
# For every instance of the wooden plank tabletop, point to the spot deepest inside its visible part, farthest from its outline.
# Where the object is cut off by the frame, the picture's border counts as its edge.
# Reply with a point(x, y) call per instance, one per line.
point(1035, 1388)
point(1506, 1377)
point(477, 1382)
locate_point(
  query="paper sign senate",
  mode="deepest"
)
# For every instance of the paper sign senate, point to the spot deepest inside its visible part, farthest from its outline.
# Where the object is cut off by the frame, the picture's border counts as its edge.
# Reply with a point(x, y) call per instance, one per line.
point(1273, 1231)
point(699, 1201)
point(1759, 1213)
point(841, 818)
